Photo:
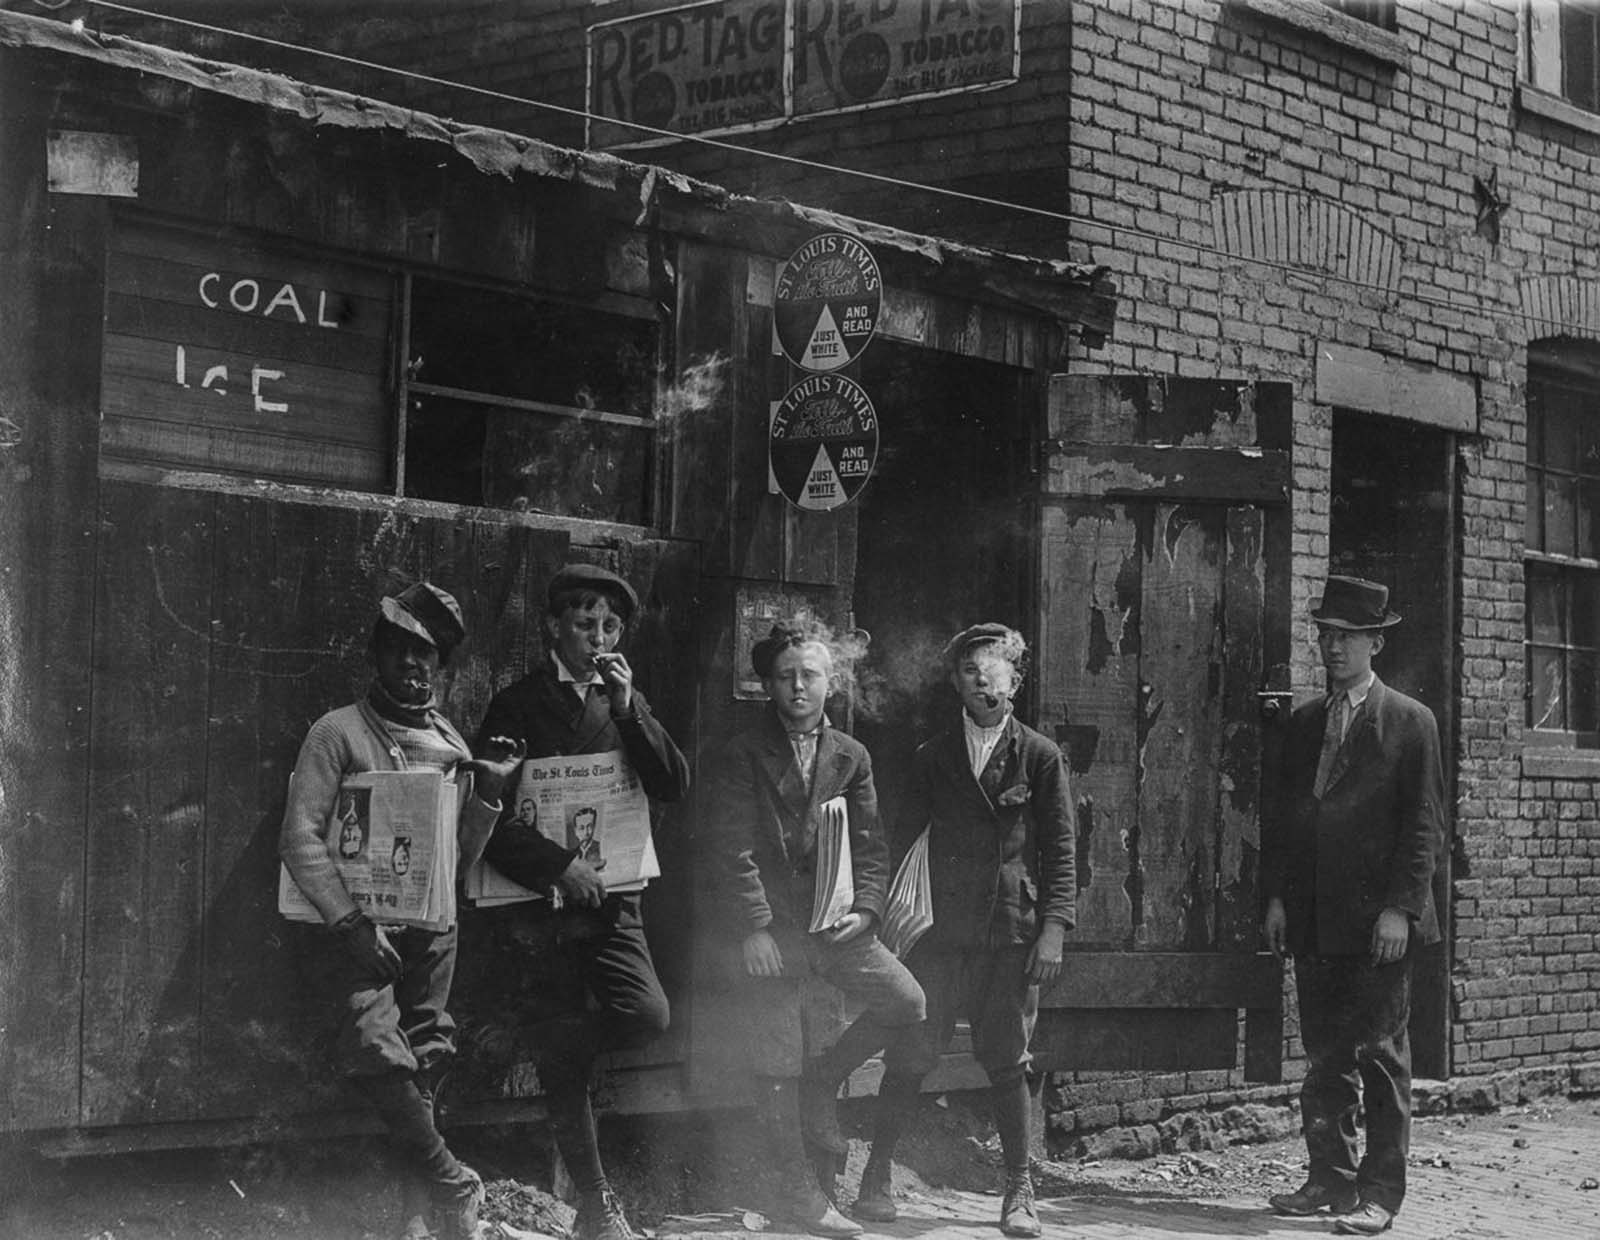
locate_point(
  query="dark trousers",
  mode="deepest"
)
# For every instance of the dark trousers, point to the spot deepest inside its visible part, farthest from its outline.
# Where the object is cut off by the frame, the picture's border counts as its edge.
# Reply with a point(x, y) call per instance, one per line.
point(1353, 1018)
point(991, 989)
point(585, 983)
point(382, 1027)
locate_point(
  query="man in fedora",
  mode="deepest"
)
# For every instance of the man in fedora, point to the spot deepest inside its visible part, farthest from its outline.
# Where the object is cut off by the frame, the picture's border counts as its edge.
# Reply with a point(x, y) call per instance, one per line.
point(385, 986)
point(1347, 875)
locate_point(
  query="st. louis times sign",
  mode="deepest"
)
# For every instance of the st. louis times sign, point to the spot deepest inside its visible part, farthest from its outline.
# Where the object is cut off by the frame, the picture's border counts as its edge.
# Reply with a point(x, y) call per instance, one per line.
point(732, 66)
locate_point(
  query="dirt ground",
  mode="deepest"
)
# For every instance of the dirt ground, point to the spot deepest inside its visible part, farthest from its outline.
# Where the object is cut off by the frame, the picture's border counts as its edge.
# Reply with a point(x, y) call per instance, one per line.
point(681, 1176)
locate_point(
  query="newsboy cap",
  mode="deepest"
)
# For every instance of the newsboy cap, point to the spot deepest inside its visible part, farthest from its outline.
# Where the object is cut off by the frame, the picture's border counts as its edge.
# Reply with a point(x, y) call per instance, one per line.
point(1353, 603)
point(430, 613)
point(981, 634)
point(574, 578)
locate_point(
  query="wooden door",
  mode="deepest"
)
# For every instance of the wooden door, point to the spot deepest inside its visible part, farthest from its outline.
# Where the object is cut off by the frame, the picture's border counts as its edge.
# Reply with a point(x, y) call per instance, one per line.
point(1163, 660)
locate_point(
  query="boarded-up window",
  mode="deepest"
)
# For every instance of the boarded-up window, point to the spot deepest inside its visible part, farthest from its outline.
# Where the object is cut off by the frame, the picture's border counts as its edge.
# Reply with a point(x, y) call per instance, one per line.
point(243, 357)
point(531, 404)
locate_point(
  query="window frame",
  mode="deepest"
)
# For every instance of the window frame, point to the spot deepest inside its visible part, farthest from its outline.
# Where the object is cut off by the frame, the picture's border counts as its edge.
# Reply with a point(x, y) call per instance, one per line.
point(608, 302)
point(1573, 366)
point(267, 257)
point(1542, 88)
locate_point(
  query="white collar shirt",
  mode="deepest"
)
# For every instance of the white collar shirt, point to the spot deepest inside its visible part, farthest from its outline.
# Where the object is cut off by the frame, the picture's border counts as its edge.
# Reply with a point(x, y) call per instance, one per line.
point(565, 676)
point(981, 741)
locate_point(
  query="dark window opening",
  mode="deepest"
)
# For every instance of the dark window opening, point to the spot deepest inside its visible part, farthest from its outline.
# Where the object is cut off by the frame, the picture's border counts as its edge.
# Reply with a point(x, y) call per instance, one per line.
point(1580, 35)
point(530, 404)
point(1378, 13)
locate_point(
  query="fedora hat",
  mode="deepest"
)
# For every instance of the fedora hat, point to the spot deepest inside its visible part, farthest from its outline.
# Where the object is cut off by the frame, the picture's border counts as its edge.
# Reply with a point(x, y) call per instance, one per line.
point(1353, 603)
point(429, 612)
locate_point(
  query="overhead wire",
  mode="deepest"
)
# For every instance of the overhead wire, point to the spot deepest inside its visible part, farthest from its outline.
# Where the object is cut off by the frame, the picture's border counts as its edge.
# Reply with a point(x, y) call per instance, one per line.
point(1441, 301)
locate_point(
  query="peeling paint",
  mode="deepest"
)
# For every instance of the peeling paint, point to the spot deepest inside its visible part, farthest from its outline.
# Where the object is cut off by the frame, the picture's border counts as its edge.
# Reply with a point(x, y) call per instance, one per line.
point(1084, 843)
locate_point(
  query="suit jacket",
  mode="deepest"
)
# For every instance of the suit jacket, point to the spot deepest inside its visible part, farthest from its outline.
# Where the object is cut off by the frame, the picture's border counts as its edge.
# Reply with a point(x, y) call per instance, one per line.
point(1001, 847)
point(761, 827)
point(546, 713)
point(1372, 839)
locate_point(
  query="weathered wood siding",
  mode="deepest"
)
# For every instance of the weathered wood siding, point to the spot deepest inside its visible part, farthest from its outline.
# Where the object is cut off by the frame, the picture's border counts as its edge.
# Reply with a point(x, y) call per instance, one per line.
point(1165, 572)
point(246, 358)
point(49, 380)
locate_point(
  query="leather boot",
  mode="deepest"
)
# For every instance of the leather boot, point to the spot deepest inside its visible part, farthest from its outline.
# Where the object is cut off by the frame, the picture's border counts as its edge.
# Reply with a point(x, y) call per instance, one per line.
point(800, 1200)
point(875, 1200)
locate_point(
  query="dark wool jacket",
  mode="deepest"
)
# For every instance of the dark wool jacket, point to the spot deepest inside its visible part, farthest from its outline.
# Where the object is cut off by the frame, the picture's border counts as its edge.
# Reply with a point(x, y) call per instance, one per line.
point(548, 716)
point(1001, 847)
point(761, 827)
point(1373, 838)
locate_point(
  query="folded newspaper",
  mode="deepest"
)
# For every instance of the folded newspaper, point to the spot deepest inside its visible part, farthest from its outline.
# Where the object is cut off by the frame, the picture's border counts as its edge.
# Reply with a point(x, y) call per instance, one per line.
point(834, 893)
point(392, 837)
point(908, 911)
point(592, 803)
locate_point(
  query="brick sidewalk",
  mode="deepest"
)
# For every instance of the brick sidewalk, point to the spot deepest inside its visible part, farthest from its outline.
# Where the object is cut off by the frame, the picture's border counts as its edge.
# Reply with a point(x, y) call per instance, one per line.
point(1515, 1176)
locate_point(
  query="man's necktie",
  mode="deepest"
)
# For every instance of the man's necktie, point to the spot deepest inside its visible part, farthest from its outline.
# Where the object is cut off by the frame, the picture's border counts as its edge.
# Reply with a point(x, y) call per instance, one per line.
point(1332, 738)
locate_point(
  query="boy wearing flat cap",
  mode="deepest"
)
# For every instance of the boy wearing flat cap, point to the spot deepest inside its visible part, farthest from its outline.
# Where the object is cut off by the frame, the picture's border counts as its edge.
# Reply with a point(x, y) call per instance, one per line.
point(580, 699)
point(1347, 875)
point(769, 788)
point(389, 984)
point(992, 794)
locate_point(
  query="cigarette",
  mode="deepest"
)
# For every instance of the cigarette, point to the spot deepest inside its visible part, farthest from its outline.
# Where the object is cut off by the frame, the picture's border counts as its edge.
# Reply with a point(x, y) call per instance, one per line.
point(607, 658)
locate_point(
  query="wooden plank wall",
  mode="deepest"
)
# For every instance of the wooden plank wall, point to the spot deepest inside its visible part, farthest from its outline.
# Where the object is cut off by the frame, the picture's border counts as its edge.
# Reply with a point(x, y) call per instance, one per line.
point(1180, 723)
point(236, 359)
point(1161, 617)
point(1088, 687)
point(50, 251)
point(255, 615)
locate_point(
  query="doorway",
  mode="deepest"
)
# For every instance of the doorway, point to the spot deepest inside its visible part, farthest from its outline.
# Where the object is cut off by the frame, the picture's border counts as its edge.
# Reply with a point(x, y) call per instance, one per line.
point(943, 537)
point(1393, 520)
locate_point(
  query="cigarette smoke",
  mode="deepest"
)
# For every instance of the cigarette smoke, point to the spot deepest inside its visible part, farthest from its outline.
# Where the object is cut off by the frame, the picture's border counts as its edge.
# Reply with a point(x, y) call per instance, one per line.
point(698, 390)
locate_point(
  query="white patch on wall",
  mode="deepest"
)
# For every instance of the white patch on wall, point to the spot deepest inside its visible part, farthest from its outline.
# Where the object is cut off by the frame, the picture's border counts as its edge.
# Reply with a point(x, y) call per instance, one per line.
point(102, 164)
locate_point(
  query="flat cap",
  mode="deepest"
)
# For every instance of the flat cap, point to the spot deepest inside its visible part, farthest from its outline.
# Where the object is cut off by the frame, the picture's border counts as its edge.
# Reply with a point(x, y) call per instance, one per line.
point(572, 578)
point(430, 613)
point(978, 634)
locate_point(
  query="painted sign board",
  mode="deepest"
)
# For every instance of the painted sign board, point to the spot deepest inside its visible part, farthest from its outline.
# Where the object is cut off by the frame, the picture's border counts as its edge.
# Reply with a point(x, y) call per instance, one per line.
point(875, 52)
point(716, 67)
point(236, 356)
point(826, 302)
point(735, 66)
point(823, 442)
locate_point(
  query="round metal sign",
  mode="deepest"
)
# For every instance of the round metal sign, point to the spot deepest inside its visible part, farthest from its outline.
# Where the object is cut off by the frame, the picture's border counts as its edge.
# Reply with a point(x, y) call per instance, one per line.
point(824, 442)
point(826, 302)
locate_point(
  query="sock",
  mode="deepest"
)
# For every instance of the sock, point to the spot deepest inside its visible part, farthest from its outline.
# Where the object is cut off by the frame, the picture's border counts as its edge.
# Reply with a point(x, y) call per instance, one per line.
point(897, 1099)
point(409, 1118)
point(1011, 1099)
point(577, 1137)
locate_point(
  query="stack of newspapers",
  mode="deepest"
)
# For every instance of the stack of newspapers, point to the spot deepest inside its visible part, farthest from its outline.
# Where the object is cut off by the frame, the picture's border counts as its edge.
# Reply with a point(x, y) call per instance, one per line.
point(908, 912)
point(590, 803)
point(835, 892)
point(392, 837)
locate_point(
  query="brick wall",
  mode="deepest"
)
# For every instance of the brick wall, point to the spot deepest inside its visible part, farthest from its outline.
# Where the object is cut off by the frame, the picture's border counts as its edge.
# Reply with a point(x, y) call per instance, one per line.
point(1186, 103)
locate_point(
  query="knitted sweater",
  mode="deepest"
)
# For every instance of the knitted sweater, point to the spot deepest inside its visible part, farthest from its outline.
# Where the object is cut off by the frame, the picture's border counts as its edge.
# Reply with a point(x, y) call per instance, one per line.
point(345, 742)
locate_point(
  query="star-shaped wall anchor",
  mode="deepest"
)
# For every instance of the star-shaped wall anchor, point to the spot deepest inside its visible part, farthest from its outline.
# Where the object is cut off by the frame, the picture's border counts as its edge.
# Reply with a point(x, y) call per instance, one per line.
point(1491, 206)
